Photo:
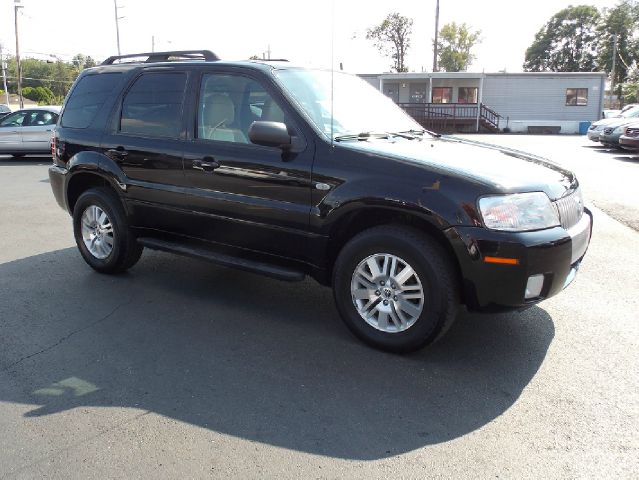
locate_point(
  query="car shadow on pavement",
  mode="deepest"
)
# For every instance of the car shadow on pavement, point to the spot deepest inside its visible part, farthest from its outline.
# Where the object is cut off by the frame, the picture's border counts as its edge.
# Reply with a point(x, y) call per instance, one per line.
point(249, 356)
point(632, 158)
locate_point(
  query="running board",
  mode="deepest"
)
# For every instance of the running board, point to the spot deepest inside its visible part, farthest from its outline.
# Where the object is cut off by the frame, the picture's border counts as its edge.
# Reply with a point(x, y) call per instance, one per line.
point(273, 271)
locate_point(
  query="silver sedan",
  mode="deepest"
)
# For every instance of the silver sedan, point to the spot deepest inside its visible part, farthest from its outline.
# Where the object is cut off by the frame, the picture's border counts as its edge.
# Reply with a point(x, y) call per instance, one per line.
point(28, 131)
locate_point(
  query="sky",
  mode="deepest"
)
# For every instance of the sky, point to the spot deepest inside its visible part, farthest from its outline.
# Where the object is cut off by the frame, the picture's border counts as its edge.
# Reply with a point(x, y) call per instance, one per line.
point(300, 31)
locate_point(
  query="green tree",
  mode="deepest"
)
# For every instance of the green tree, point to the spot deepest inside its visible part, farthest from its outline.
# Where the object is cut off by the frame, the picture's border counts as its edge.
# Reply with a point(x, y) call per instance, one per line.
point(620, 21)
point(567, 43)
point(454, 47)
point(392, 39)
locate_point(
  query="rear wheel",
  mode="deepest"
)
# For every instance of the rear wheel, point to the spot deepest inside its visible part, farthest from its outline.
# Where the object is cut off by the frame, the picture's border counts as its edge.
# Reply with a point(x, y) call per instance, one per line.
point(102, 233)
point(395, 288)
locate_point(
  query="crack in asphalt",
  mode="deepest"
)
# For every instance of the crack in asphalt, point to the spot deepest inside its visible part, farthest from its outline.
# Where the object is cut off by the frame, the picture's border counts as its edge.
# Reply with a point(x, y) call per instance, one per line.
point(66, 337)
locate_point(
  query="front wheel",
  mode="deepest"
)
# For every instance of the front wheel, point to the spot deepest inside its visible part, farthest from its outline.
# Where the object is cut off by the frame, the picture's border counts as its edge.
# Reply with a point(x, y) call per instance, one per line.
point(102, 233)
point(395, 288)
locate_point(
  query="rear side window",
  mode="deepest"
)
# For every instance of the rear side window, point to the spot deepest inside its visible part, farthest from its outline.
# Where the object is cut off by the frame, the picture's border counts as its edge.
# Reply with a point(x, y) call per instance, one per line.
point(153, 105)
point(87, 99)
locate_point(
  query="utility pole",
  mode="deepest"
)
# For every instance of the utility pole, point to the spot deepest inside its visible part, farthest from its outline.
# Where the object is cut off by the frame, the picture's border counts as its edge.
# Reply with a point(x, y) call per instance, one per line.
point(152, 43)
point(16, 7)
point(117, 24)
point(3, 65)
point(614, 67)
point(435, 68)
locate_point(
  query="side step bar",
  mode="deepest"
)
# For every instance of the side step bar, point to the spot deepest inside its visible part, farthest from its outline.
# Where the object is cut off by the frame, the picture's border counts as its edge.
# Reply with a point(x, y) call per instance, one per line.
point(273, 271)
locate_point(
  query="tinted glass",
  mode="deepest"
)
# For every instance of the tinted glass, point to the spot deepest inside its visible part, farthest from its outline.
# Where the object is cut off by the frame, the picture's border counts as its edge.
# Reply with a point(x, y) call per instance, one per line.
point(229, 104)
point(87, 98)
point(13, 120)
point(153, 106)
point(40, 118)
point(576, 96)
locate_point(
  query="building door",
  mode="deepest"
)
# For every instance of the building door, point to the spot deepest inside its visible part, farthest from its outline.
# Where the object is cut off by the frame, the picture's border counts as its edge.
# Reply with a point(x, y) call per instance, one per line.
point(418, 92)
point(391, 90)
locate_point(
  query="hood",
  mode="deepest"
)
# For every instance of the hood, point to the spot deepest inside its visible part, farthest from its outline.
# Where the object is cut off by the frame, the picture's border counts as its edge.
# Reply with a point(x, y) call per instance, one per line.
point(502, 169)
point(614, 122)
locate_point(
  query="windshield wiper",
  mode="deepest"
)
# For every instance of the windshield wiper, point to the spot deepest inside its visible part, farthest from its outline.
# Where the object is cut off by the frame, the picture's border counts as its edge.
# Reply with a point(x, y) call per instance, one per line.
point(363, 136)
point(421, 132)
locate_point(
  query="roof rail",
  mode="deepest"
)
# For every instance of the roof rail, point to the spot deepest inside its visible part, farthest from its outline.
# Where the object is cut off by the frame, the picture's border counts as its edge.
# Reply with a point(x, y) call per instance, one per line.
point(153, 57)
point(271, 60)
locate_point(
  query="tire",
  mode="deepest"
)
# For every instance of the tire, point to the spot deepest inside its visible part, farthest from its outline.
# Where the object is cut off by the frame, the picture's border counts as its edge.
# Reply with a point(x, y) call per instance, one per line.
point(116, 249)
point(433, 272)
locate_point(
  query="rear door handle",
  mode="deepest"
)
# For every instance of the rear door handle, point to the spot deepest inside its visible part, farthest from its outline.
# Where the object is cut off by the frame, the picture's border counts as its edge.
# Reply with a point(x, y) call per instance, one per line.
point(118, 152)
point(207, 164)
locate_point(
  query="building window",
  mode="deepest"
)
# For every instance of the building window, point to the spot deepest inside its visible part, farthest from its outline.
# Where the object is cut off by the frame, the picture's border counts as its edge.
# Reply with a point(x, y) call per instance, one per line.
point(467, 95)
point(442, 94)
point(576, 96)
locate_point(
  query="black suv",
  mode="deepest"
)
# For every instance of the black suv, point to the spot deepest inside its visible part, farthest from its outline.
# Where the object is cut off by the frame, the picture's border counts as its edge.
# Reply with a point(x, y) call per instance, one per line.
point(288, 172)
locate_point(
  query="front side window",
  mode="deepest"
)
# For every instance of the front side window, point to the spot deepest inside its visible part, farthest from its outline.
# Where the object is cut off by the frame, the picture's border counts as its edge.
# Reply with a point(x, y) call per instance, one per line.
point(153, 105)
point(229, 104)
point(576, 97)
point(467, 95)
point(356, 105)
point(13, 120)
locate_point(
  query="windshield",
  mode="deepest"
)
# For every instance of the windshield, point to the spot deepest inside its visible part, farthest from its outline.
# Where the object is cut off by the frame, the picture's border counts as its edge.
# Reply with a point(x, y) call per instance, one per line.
point(357, 106)
point(631, 113)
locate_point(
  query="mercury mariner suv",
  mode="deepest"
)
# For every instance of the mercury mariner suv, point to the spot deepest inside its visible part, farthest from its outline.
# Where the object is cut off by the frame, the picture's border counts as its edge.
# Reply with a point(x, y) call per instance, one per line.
point(289, 172)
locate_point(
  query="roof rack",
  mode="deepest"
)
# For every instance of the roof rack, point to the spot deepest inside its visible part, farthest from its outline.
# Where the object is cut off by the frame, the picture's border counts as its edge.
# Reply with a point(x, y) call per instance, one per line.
point(153, 57)
point(271, 60)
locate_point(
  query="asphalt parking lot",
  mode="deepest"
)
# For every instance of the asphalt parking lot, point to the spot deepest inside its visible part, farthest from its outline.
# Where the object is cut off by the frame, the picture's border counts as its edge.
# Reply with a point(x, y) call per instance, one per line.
point(180, 369)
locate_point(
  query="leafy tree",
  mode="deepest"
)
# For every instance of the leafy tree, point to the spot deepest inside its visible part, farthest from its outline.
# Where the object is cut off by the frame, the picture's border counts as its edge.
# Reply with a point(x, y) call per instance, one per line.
point(454, 46)
point(567, 43)
point(42, 95)
point(392, 39)
point(622, 21)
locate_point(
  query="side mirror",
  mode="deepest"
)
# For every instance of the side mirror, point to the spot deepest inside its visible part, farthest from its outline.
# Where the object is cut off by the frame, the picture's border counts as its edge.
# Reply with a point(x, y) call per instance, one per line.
point(270, 134)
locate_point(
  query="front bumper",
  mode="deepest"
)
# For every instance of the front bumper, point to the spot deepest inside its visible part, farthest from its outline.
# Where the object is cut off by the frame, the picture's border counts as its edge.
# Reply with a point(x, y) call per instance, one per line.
point(593, 135)
point(554, 253)
point(611, 139)
point(631, 143)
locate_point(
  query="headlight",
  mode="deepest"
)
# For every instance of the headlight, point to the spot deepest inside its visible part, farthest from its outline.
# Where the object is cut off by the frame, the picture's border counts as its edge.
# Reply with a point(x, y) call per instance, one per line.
point(518, 212)
point(619, 129)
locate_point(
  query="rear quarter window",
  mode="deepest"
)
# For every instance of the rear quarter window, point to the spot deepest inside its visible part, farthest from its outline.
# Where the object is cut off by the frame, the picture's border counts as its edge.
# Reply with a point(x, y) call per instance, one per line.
point(87, 98)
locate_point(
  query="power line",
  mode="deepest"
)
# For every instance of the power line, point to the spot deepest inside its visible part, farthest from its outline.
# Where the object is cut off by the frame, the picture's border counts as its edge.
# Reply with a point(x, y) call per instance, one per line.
point(42, 79)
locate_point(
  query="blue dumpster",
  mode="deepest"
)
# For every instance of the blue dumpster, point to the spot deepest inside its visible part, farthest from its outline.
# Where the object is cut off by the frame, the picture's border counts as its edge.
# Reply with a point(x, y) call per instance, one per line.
point(583, 127)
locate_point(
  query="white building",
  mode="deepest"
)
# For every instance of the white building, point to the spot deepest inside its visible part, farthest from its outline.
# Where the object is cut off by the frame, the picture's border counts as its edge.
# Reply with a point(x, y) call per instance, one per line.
point(521, 102)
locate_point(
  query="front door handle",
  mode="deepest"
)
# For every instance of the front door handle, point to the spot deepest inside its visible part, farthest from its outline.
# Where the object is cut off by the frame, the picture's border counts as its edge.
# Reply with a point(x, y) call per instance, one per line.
point(207, 164)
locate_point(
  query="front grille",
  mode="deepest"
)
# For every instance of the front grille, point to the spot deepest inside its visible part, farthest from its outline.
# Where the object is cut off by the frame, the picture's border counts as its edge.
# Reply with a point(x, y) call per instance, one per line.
point(632, 132)
point(608, 131)
point(570, 209)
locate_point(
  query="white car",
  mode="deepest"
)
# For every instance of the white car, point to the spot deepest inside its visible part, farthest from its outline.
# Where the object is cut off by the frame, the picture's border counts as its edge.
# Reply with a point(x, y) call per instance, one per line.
point(597, 128)
point(28, 131)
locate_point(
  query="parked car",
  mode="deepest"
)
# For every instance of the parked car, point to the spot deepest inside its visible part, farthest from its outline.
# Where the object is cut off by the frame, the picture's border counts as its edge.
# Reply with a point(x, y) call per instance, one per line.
point(4, 110)
point(596, 129)
point(609, 136)
point(251, 165)
point(28, 131)
point(630, 138)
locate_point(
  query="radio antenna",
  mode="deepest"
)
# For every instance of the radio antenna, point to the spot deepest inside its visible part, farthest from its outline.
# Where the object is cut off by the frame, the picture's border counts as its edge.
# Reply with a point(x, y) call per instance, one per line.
point(332, 66)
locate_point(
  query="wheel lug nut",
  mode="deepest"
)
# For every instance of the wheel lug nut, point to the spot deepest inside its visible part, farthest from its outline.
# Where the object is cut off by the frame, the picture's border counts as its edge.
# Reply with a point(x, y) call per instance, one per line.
point(392, 285)
point(385, 302)
point(395, 298)
point(382, 283)
point(378, 293)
